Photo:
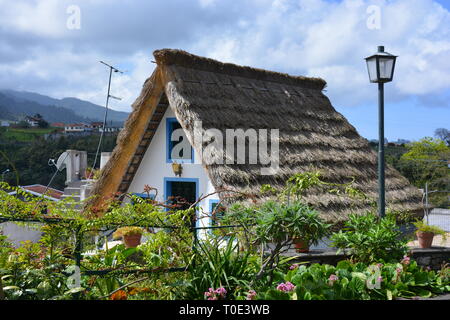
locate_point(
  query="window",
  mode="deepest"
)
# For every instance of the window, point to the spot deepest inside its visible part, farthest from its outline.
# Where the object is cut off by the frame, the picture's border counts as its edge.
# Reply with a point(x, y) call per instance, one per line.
point(216, 212)
point(178, 146)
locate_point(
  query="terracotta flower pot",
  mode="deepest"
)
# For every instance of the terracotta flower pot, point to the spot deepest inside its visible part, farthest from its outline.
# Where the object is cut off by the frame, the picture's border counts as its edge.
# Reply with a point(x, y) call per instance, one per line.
point(300, 245)
point(132, 240)
point(425, 239)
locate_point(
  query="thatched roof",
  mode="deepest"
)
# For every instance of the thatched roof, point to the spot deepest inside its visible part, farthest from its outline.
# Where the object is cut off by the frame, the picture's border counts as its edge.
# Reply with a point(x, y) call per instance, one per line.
point(313, 135)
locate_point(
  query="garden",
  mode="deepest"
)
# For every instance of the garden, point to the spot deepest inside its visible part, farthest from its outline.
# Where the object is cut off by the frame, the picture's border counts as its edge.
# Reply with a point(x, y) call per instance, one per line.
point(164, 256)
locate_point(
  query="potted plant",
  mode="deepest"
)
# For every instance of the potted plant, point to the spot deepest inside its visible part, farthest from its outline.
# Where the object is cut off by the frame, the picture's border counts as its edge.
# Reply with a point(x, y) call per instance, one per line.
point(425, 234)
point(296, 222)
point(131, 236)
point(309, 229)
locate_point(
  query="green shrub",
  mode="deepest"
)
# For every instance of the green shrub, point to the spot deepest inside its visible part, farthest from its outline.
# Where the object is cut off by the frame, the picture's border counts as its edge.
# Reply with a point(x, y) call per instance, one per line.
point(357, 281)
point(423, 227)
point(371, 239)
point(213, 266)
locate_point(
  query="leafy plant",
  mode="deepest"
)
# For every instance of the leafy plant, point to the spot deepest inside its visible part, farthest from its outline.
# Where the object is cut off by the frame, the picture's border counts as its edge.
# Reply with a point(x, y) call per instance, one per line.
point(356, 281)
point(424, 227)
point(214, 265)
point(371, 239)
point(127, 231)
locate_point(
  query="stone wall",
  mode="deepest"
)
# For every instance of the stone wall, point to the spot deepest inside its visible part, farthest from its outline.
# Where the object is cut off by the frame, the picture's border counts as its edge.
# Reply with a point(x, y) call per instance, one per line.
point(432, 257)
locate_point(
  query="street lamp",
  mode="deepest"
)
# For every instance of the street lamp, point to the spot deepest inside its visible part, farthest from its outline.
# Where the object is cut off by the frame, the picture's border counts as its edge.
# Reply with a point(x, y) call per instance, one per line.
point(380, 67)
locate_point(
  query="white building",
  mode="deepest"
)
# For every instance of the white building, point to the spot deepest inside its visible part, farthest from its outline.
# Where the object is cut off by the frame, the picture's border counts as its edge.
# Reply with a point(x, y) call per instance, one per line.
point(289, 112)
point(75, 127)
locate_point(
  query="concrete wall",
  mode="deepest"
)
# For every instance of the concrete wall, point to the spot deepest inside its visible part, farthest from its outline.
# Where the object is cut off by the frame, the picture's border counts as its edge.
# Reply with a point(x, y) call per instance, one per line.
point(17, 233)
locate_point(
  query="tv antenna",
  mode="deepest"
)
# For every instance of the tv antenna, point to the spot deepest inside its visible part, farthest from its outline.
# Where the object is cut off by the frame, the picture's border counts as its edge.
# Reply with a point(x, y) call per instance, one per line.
point(111, 69)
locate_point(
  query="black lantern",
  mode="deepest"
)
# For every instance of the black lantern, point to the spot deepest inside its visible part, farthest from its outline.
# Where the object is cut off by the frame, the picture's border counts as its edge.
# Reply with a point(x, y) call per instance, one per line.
point(381, 66)
point(381, 69)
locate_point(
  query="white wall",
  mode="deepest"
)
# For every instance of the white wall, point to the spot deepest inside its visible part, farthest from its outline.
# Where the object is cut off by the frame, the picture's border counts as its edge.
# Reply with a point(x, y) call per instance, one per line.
point(153, 169)
point(16, 233)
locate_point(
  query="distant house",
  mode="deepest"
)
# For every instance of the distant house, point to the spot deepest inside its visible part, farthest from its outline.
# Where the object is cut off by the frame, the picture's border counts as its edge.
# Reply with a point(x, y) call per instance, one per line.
point(32, 121)
point(96, 125)
point(58, 125)
point(75, 127)
point(110, 129)
point(186, 89)
point(40, 190)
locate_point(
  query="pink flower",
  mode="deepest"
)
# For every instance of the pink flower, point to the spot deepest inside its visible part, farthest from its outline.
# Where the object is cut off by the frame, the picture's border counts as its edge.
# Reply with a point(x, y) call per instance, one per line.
point(217, 294)
point(294, 266)
point(399, 270)
point(251, 295)
point(380, 265)
point(221, 292)
point(332, 279)
point(406, 260)
point(379, 279)
point(286, 287)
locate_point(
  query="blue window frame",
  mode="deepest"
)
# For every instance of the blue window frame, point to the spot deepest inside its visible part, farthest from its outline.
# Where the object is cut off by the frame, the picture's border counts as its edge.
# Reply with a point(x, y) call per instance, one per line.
point(171, 125)
point(218, 214)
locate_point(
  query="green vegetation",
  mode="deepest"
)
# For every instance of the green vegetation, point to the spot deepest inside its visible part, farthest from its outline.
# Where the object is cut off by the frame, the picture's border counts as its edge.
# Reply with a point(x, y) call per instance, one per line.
point(26, 153)
point(26, 134)
point(423, 227)
point(424, 161)
point(371, 239)
point(173, 265)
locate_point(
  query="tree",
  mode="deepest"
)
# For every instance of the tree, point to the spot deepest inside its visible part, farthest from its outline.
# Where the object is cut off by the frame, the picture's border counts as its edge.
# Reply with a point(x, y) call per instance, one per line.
point(42, 123)
point(427, 162)
point(443, 134)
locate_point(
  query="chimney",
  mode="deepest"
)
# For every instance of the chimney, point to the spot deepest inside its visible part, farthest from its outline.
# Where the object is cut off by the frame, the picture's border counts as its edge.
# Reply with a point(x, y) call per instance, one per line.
point(76, 164)
point(104, 159)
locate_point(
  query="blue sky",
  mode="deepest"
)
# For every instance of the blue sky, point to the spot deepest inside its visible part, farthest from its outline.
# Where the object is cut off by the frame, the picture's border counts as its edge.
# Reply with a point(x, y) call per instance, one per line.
point(321, 38)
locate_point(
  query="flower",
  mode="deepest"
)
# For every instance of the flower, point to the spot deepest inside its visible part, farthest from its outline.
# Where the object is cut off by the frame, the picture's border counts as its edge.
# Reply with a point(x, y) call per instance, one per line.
point(399, 270)
point(286, 287)
point(221, 292)
point(406, 260)
point(251, 295)
point(294, 266)
point(212, 294)
point(119, 295)
point(332, 279)
point(380, 279)
point(380, 265)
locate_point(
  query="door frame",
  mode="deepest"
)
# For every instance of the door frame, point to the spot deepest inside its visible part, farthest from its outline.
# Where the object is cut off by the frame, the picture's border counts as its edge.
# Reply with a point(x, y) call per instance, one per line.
point(168, 189)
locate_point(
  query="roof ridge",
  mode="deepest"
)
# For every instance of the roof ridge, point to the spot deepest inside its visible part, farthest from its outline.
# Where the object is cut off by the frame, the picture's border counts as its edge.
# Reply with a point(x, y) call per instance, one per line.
point(186, 59)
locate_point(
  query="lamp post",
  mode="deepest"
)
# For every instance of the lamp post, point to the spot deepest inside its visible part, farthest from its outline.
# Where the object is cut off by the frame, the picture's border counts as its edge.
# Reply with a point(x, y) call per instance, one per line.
point(380, 67)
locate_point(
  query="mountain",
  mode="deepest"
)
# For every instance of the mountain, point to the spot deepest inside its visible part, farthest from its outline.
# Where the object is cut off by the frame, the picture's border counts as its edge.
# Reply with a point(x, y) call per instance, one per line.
point(11, 109)
point(79, 108)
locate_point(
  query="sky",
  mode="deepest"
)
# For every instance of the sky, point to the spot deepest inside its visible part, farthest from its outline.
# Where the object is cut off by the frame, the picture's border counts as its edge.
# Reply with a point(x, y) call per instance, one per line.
point(53, 47)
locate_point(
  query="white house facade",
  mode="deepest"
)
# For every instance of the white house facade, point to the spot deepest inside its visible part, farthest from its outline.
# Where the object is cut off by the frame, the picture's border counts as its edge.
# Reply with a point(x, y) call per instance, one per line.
point(156, 171)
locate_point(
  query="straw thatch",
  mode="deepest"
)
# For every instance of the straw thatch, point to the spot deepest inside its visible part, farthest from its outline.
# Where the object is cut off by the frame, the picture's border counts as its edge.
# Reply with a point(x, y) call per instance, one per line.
point(312, 135)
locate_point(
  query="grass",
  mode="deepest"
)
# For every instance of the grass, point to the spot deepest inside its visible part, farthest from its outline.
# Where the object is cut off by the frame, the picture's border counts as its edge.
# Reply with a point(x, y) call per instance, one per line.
point(25, 134)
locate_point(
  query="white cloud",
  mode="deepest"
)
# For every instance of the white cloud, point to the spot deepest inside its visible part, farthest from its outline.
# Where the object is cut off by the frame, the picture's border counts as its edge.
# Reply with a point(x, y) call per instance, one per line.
point(306, 37)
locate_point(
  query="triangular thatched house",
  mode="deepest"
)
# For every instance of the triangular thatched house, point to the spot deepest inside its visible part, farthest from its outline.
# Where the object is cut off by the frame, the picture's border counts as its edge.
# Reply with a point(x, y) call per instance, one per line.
point(185, 89)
